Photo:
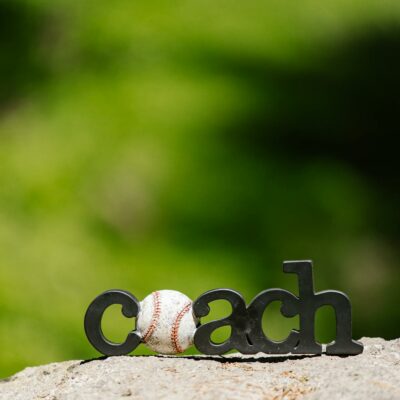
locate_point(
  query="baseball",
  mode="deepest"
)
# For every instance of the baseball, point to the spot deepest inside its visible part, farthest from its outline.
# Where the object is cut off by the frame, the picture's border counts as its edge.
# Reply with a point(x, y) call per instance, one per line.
point(166, 322)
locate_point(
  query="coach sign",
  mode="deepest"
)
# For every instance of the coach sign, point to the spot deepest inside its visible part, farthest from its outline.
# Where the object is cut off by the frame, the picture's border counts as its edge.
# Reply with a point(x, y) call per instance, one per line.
point(168, 322)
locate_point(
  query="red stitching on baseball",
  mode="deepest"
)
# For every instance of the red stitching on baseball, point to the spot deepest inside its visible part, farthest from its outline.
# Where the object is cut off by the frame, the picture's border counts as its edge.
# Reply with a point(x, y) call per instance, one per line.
point(175, 328)
point(155, 317)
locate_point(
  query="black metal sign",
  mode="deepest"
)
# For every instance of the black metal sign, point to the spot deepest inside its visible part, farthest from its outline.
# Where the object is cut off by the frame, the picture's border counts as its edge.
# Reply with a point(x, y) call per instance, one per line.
point(247, 335)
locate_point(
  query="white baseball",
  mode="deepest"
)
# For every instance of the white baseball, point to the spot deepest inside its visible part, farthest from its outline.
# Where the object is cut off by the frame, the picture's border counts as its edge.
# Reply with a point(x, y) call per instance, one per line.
point(166, 322)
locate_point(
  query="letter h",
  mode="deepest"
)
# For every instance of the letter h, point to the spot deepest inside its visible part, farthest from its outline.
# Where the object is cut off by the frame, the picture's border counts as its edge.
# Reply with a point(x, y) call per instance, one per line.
point(308, 304)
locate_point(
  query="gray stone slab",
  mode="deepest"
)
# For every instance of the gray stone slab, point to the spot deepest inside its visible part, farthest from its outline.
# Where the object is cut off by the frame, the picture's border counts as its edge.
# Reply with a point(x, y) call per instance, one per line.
point(375, 374)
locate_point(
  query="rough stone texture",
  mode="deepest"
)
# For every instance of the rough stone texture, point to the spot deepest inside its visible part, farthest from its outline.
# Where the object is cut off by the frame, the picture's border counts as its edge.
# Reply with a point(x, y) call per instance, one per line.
point(375, 374)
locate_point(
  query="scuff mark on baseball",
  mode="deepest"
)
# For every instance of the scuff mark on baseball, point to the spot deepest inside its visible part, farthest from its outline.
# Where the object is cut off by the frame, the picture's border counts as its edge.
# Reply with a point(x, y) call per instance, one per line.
point(166, 322)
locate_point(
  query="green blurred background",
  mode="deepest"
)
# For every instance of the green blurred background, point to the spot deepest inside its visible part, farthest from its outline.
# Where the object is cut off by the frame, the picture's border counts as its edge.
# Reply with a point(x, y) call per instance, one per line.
point(192, 145)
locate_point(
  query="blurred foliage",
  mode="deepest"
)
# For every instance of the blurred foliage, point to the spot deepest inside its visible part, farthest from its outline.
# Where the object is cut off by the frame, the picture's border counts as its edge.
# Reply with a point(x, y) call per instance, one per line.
point(194, 145)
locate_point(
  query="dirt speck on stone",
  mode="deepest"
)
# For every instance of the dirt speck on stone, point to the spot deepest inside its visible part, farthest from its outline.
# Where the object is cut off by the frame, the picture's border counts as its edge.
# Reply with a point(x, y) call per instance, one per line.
point(374, 374)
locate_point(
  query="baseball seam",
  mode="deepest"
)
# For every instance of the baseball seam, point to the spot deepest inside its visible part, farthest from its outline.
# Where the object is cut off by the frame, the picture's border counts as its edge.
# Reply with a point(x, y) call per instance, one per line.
point(154, 318)
point(175, 328)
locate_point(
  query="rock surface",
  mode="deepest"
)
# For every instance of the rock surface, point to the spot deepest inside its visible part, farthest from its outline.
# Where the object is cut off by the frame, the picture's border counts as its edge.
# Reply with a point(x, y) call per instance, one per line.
point(375, 374)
